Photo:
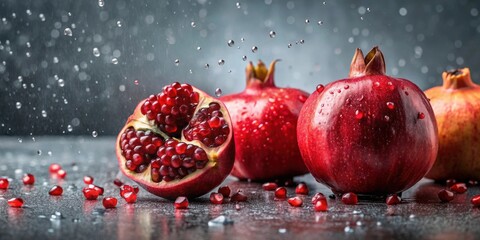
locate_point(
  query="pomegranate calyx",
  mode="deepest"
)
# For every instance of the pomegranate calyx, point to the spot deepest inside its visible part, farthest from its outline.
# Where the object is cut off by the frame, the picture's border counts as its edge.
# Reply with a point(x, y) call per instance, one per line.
point(458, 78)
point(260, 76)
point(372, 64)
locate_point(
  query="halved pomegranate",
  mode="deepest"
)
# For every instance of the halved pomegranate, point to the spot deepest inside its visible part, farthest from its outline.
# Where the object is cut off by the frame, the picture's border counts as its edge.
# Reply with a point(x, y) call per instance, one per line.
point(177, 143)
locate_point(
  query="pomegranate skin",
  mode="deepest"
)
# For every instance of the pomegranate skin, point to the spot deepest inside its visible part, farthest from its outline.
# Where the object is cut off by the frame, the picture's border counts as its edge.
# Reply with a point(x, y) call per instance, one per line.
point(364, 134)
point(264, 119)
point(457, 108)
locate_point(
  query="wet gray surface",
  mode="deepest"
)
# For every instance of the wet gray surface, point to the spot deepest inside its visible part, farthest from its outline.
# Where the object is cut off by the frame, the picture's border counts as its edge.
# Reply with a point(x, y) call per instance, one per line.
point(421, 216)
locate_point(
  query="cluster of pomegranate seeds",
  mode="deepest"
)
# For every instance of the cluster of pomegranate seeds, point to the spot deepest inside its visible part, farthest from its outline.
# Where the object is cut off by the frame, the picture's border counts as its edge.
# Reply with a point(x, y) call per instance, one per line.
point(216, 198)
point(88, 180)
point(28, 179)
point(208, 126)
point(459, 188)
point(270, 186)
point(317, 196)
point(139, 148)
point(15, 202)
point(446, 195)
point(319, 202)
point(350, 198)
point(109, 202)
point(281, 193)
point(129, 193)
point(393, 199)
point(117, 182)
point(3, 183)
point(181, 203)
point(238, 197)
point(56, 191)
point(301, 189)
point(172, 108)
point(176, 160)
point(475, 201)
point(295, 201)
point(225, 191)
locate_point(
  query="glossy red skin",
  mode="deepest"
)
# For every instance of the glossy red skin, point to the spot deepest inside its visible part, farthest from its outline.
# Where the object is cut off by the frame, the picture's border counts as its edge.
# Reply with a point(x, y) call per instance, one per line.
point(270, 151)
point(369, 156)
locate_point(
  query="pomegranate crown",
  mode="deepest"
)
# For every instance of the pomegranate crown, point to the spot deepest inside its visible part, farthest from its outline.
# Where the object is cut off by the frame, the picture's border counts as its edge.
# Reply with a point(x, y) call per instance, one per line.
point(260, 75)
point(372, 64)
point(457, 78)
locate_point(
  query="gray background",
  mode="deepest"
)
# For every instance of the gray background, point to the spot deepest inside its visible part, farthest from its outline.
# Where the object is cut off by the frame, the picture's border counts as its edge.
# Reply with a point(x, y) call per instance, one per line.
point(420, 39)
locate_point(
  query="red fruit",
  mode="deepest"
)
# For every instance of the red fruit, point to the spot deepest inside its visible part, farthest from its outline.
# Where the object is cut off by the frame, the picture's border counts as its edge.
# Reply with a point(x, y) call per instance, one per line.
point(56, 191)
point(88, 180)
point(90, 193)
point(317, 197)
point(350, 198)
point(117, 182)
point(281, 193)
point(445, 195)
point(238, 197)
point(169, 147)
point(321, 205)
point(127, 188)
point(3, 183)
point(130, 197)
point(216, 198)
point(61, 173)
point(301, 189)
point(54, 167)
point(264, 118)
point(362, 134)
point(393, 199)
point(15, 202)
point(270, 186)
point(457, 109)
point(181, 203)
point(225, 191)
point(28, 179)
point(295, 201)
point(109, 202)
point(475, 201)
point(459, 188)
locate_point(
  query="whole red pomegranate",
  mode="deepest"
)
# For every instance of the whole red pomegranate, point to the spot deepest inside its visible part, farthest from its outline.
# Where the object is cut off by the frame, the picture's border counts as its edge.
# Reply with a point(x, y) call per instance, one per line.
point(369, 134)
point(264, 120)
point(177, 143)
point(457, 108)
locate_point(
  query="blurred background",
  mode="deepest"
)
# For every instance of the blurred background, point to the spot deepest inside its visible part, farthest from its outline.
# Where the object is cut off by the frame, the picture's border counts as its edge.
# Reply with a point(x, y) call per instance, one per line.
point(80, 67)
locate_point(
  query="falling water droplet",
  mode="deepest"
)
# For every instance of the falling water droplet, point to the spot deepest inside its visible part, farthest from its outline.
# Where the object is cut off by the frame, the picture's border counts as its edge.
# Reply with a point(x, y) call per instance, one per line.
point(324, 3)
point(272, 34)
point(115, 61)
point(177, 62)
point(368, 9)
point(69, 128)
point(230, 43)
point(96, 52)
point(221, 62)
point(101, 3)
point(61, 82)
point(244, 58)
point(307, 21)
point(320, 88)
point(39, 152)
point(119, 23)
point(42, 17)
point(18, 105)
point(94, 134)
point(67, 32)
point(238, 5)
point(254, 49)
point(320, 22)
point(44, 113)
point(242, 39)
point(136, 82)
point(206, 66)
point(199, 48)
point(289, 45)
point(218, 92)
point(193, 24)
point(302, 41)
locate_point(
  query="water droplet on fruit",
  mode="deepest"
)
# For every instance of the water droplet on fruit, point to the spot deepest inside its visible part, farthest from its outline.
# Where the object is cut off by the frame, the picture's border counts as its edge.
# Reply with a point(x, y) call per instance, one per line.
point(302, 98)
point(193, 24)
point(421, 115)
point(230, 43)
point(244, 58)
point(221, 62)
point(376, 84)
point(272, 34)
point(96, 52)
point(390, 105)
point(177, 62)
point(18, 105)
point(254, 49)
point(320, 88)
point(358, 114)
point(218, 92)
point(67, 32)
point(94, 134)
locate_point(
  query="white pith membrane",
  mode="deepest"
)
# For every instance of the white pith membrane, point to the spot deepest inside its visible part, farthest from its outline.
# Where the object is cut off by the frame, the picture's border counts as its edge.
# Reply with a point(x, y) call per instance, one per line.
point(143, 124)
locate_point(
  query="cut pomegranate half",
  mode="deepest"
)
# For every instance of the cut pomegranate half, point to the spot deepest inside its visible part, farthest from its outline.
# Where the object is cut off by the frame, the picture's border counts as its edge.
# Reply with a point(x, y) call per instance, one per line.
point(177, 143)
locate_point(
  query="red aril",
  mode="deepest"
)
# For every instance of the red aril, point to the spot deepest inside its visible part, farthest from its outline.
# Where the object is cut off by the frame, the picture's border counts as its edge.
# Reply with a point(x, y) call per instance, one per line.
point(350, 198)
point(127, 188)
point(270, 186)
point(54, 167)
point(28, 179)
point(130, 197)
point(393, 199)
point(363, 134)
point(181, 203)
point(117, 182)
point(88, 180)
point(61, 173)
point(177, 143)
point(109, 202)
point(225, 191)
point(445, 195)
point(295, 201)
point(264, 118)
point(4, 183)
point(321, 205)
point(317, 197)
point(459, 188)
point(216, 198)
point(56, 191)
point(301, 189)
point(98, 189)
point(238, 197)
point(15, 202)
point(90, 193)
point(281, 193)
point(475, 201)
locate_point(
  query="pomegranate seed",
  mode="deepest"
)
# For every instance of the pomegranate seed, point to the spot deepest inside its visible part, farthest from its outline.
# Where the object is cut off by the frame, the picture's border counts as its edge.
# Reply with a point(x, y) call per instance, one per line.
point(127, 188)
point(317, 197)
point(295, 201)
point(459, 188)
point(445, 195)
point(130, 197)
point(61, 173)
point(54, 167)
point(450, 182)
point(421, 115)
point(238, 197)
point(393, 199)
point(90, 193)
point(117, 182)
point(56, 191)
point(181, 203)
point(301, 189)
point(281, 193)
point(390, 105)
point(350, 198)
point(270, 186)
point(216, 198)
point(225, 191)
point(3, 183)
point(88, 180)
point(109, 202)
point(475, 201)
point(15, 202)
point(28, 179)
point(321, 205)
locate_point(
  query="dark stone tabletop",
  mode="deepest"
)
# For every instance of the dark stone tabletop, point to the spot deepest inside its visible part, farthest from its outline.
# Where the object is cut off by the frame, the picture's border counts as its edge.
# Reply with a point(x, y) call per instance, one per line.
point(70, 216)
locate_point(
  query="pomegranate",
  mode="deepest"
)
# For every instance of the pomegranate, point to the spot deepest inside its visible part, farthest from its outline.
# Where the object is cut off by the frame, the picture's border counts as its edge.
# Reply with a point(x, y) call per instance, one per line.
point(457, 108)
point(216, 198)
point(370, 133)
point(264, 118)
point(301, 189)
point(90, 193)
point(281, 193)
point(177, 143)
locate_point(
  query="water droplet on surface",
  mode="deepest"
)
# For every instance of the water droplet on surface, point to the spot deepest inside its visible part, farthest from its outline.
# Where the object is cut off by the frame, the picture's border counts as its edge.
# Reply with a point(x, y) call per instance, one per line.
point(320, 88)
point(242, 39)
point(289, 45)
point(244, 58)
point(282, 230)
point(94, 134)
point(193, 24)
point(254, 49)
point(199, 48)
point(61, 82)
point(177, 62)
point(115, 61)
point(221, 62)
point(272, 34)
point(358, 114)
point(44, 113)
point(69, 128)
point(390, 105)
point(230, 43)
point(18, 105)
point(302, 41)
point(101, 3)
point(238, 5)
point(218, 92)
point(206, 66)
point(119, 23)
point(307, 21)
point(67, 32)
point(320, 22)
